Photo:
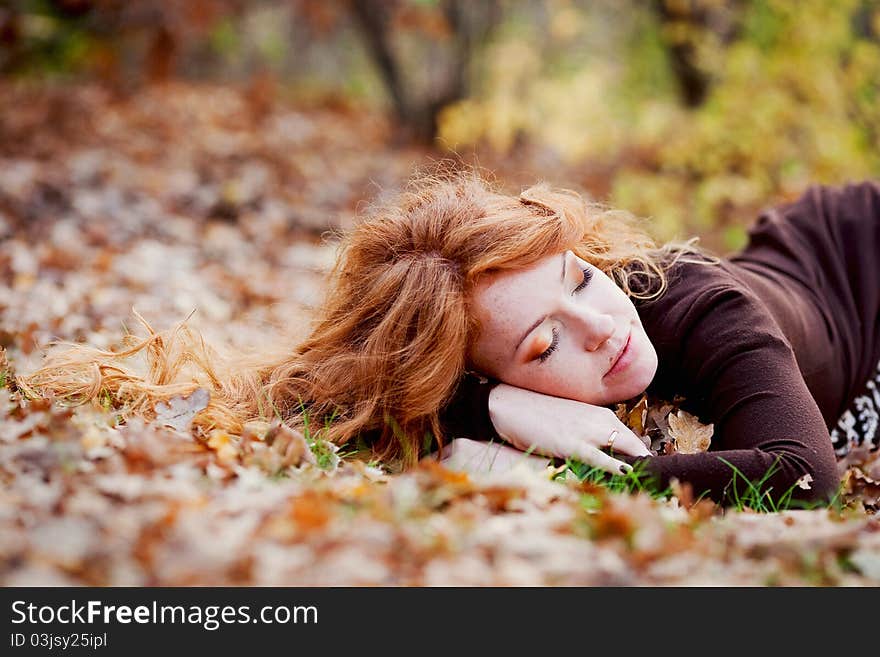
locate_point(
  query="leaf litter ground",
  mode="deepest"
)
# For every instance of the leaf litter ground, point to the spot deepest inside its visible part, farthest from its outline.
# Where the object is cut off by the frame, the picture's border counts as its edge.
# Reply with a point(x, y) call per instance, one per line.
point(185, 198)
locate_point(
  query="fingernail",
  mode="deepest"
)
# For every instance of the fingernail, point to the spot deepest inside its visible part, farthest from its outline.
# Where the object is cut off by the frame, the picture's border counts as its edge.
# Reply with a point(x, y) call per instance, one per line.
point(625, 469)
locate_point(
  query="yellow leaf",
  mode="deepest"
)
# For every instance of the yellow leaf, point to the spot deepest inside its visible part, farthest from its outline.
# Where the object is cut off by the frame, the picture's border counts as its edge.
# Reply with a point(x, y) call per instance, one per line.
point(635, 418)
point(224, 445)
point(638, 415)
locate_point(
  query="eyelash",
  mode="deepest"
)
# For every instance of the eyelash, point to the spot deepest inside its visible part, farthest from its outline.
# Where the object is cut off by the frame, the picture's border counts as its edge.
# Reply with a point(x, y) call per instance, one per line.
point(554, 343)
point(588, 274)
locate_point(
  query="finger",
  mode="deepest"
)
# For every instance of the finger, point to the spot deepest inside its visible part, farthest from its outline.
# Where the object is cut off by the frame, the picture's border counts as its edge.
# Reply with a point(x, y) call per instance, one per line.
point(585, 453)
point(627, 442)
point(596, 458)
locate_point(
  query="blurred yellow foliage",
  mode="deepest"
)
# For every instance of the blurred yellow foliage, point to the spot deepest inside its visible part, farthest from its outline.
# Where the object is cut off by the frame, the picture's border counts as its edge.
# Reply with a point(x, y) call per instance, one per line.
point(793, 100)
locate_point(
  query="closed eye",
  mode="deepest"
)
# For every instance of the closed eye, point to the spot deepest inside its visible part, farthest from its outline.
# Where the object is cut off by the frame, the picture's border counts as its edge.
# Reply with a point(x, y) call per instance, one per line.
point(588, 274)
point(554, 344)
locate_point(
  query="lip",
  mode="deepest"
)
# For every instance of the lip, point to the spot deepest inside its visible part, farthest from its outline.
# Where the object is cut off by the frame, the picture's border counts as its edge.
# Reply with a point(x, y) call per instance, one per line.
point(623, 358)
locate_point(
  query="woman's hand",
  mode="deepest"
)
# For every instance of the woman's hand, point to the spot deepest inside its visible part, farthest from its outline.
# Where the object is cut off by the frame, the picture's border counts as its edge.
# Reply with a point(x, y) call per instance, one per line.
point(479, 456)
point(563, 428)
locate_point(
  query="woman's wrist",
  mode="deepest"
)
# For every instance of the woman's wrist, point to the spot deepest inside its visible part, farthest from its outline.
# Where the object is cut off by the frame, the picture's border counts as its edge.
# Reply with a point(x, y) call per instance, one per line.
point(498, 398)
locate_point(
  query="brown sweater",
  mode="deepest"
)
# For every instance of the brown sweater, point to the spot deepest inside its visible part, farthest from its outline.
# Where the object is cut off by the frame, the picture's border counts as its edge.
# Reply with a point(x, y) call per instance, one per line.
point(771, 346)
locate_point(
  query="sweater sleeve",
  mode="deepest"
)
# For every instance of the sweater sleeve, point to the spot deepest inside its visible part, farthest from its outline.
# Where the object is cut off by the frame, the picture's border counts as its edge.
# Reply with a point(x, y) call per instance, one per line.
point(719, 347)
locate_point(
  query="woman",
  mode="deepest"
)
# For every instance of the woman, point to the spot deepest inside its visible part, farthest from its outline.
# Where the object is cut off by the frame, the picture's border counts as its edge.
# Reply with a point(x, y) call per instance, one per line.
point(459, 311)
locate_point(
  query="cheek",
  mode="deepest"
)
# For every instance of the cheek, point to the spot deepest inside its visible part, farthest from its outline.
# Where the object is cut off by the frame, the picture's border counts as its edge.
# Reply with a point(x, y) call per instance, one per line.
point(650, 357)
point(563, 375)
point(645, 367)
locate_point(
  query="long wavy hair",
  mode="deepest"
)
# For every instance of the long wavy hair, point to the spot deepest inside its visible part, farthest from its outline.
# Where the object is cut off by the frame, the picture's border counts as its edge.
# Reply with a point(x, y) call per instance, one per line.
point(389, 344)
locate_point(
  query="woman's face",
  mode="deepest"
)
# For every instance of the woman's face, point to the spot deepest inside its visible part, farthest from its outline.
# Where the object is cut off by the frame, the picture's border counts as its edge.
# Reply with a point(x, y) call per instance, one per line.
point(562, 328)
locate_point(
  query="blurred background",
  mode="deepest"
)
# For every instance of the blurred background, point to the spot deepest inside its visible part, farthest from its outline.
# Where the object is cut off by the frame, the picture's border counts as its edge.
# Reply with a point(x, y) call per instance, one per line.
point(691, 113)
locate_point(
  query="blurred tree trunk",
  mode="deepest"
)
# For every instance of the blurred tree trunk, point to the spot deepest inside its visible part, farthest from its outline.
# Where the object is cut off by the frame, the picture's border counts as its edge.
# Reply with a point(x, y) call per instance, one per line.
point(467, 24)
point(684, 23)
point(374, 19)
point(10, 40)
point(865, 23)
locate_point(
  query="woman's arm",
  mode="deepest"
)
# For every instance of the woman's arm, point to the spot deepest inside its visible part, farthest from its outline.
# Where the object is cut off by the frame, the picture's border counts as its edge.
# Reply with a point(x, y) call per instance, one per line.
point(541, 424)
point(563, 428)
point(721, 349)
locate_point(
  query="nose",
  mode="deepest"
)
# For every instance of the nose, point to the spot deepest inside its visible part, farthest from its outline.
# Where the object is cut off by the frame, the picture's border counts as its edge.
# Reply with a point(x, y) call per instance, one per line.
point(595, 326)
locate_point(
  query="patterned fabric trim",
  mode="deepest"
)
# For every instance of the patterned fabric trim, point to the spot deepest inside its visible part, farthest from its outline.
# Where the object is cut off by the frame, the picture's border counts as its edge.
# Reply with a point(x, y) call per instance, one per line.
point(858, 425)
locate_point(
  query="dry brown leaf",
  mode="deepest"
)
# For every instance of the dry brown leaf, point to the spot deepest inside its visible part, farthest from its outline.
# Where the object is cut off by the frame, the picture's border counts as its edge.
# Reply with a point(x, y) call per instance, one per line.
point(651, 420)
point(256, 430)
point(638, 416)
point(178, 412)
point(856, 485)
point(635, 417)
point(290, 445)
point(657, 415)
point(689, 434)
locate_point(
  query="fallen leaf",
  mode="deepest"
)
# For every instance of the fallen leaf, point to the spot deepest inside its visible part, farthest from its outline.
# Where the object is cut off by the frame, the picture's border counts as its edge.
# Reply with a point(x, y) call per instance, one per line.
point(289, 445)
point(638, 416)
point(311, 511)
point(690, 435)
point(657, 415)
point(635, 417)
point(178, 412)
point(224, 445)
point(867, 561)
point(255, 430)
point(856, 485)
point(804, 482)
point(683, 491)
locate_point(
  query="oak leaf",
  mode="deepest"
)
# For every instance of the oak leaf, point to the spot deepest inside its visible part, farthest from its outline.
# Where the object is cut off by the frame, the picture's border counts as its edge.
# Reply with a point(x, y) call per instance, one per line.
point(689, 434)
point(179, 411)
point(638, 416)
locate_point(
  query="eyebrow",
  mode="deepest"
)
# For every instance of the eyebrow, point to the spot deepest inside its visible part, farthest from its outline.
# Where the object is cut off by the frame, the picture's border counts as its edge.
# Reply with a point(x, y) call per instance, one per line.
point(540, 319)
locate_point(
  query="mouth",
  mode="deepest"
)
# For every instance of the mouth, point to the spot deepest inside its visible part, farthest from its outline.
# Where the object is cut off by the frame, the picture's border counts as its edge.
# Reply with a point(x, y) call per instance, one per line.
point(622, 359)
